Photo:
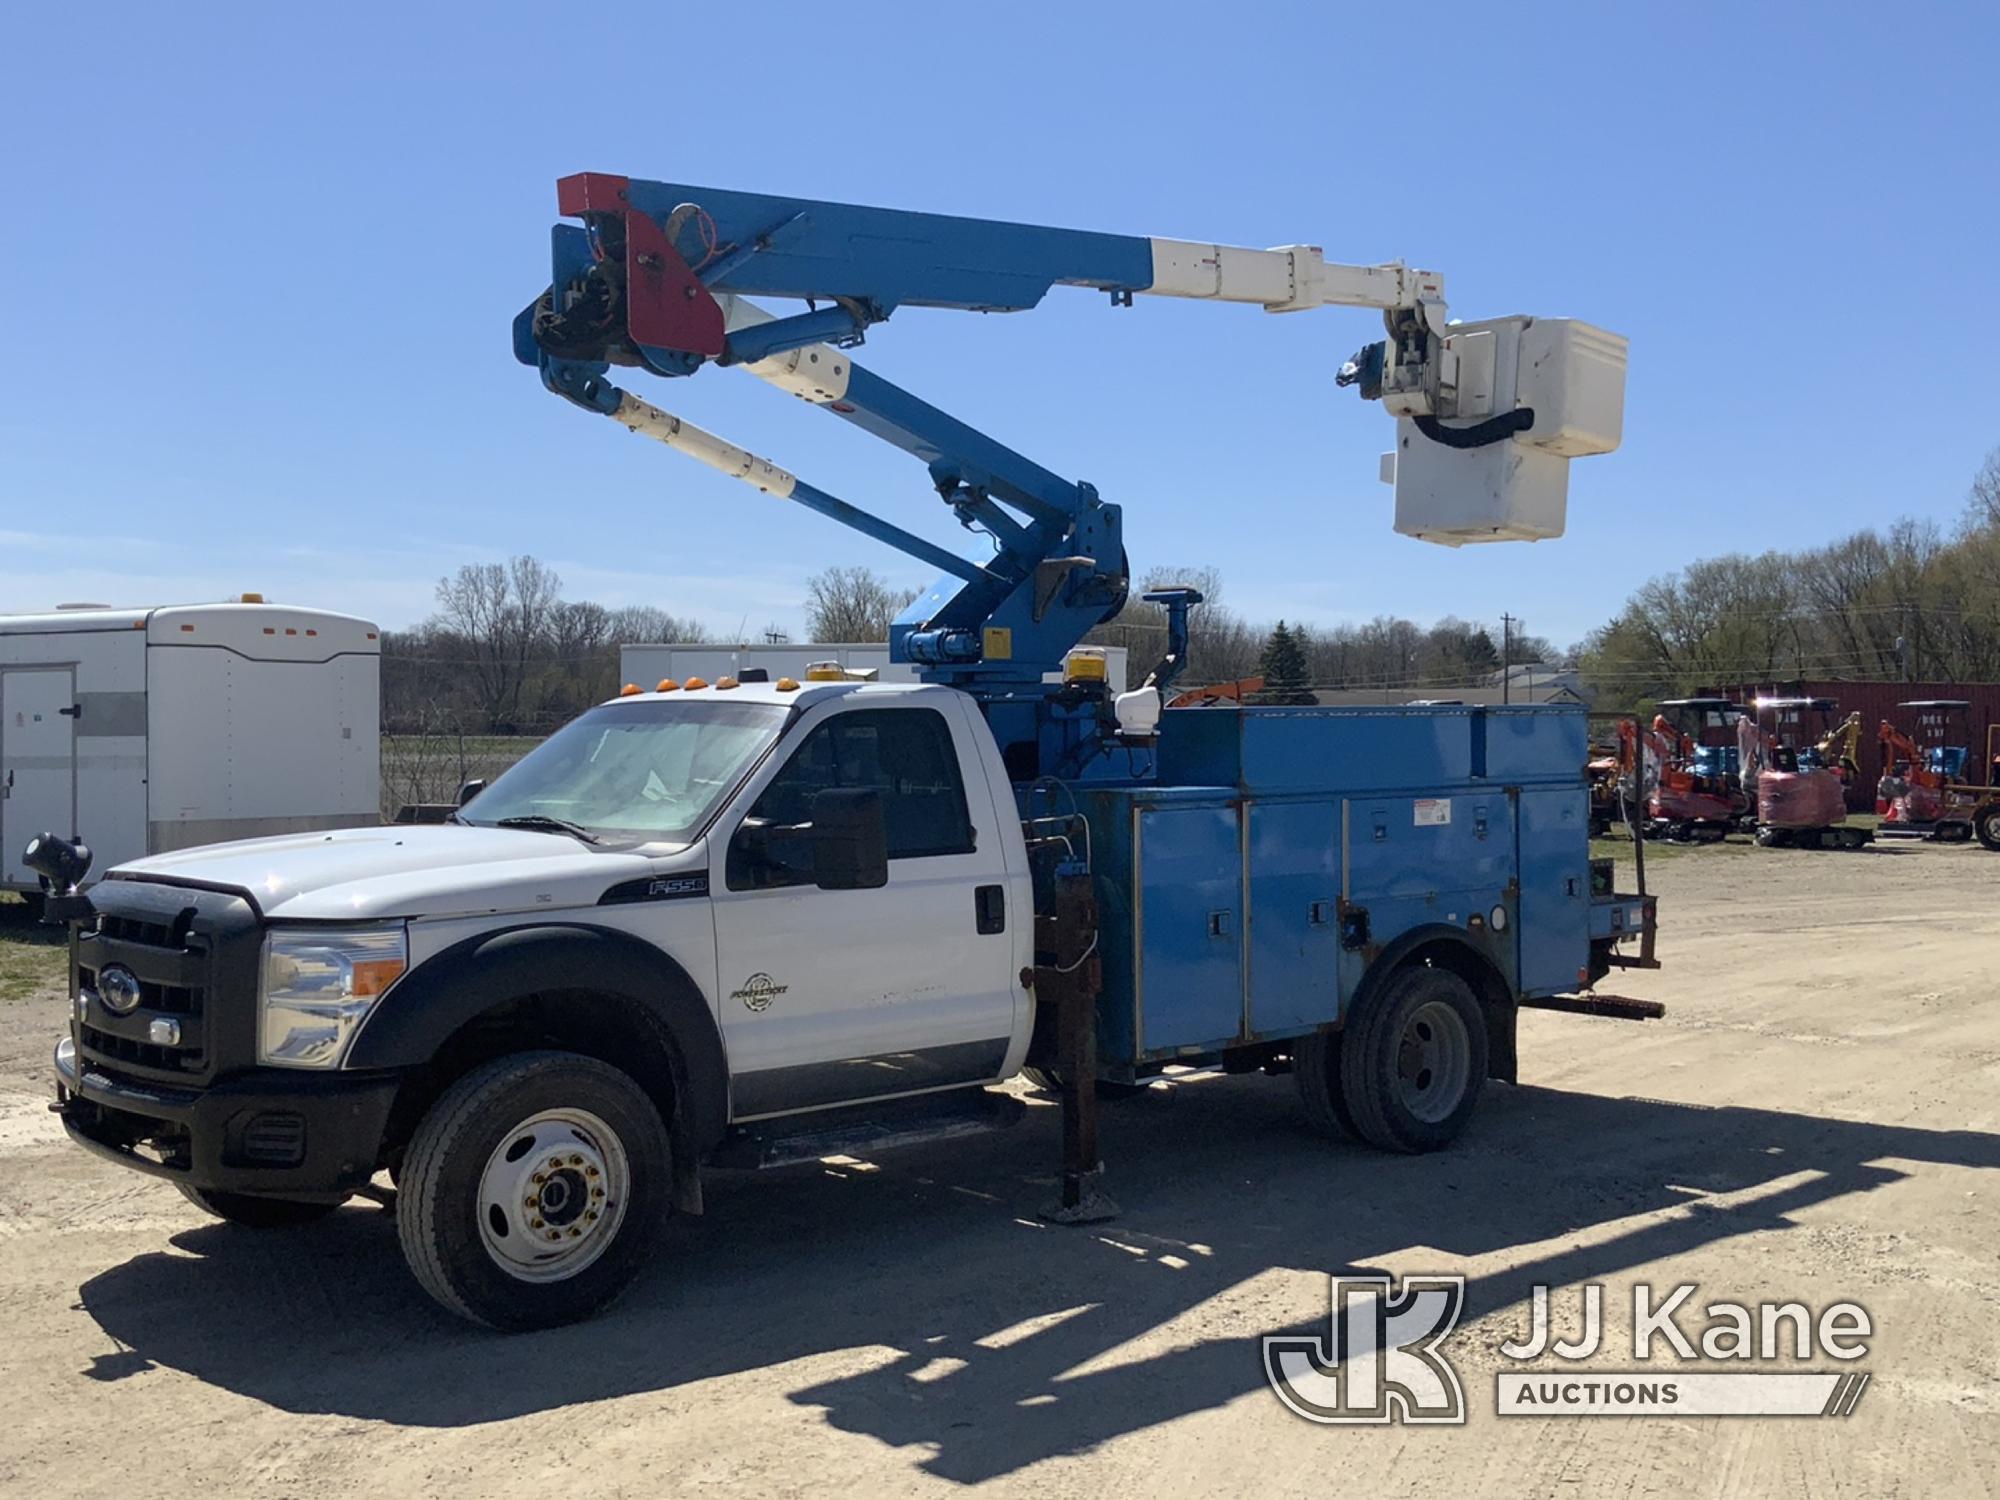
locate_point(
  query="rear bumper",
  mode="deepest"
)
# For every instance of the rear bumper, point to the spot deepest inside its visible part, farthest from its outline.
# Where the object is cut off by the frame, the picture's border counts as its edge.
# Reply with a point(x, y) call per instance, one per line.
point(281, 1132)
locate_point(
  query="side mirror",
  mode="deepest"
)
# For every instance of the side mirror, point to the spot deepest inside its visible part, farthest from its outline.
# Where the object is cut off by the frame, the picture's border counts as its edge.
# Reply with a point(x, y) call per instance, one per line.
point(850, 842)
point(470, 789)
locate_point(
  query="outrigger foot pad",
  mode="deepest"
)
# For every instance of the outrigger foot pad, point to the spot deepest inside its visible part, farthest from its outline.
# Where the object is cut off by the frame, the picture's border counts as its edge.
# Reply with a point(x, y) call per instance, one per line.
point(1091, 1206)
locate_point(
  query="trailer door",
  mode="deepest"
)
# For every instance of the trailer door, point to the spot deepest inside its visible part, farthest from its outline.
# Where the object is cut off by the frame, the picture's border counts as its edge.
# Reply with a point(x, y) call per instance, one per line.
point(37, 762)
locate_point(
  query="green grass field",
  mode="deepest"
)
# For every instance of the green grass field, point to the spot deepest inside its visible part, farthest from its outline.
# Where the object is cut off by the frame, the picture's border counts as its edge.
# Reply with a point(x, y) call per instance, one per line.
point(31, 957)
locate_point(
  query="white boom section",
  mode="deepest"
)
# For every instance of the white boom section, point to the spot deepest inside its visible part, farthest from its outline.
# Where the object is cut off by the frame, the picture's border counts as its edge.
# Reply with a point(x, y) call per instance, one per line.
point(1291, 278)
point(697, 443)
point(817, 373)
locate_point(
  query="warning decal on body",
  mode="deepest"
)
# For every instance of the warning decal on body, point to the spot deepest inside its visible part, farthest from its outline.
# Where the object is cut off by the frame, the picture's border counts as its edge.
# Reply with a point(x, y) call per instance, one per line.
point(1433, 810)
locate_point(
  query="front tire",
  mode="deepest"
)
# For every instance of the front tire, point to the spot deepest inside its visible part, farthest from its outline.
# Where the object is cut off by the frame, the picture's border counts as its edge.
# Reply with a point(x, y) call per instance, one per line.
point(1987, 827)
point(1413, 1060)
point(248, 1211)
point(533, 1190)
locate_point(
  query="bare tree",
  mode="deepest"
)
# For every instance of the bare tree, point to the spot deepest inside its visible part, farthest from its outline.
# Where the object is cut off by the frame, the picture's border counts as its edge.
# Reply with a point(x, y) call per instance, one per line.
point(1984, 500)
point(503, 613)
point(852, 604)
point(645, 624)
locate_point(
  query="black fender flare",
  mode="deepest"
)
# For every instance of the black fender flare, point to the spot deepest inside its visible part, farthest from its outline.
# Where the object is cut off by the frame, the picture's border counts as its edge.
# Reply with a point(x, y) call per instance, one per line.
point(1491, 984)
point(445, 992)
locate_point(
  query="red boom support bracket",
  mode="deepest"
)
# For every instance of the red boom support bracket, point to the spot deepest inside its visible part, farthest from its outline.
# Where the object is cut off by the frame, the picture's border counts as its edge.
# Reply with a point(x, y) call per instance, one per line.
point(666, 306)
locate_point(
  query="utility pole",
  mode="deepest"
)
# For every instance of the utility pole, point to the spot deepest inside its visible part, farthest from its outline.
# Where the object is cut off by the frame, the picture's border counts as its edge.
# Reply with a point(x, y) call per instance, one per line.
point(1506, 658)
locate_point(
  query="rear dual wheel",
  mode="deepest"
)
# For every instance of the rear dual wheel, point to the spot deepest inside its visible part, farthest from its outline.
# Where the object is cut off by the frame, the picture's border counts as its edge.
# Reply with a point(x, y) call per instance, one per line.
point(1405, 1071)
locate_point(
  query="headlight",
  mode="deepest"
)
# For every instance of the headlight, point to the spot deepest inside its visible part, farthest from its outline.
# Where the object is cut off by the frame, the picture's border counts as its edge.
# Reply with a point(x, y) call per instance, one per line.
point(319, 985)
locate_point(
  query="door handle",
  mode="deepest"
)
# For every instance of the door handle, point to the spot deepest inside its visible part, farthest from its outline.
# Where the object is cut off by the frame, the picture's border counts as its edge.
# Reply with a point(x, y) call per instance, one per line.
point(989, 909)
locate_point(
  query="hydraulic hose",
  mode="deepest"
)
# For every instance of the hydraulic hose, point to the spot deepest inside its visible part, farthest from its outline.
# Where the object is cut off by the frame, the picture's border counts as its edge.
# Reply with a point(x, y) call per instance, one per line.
point(1480, 434)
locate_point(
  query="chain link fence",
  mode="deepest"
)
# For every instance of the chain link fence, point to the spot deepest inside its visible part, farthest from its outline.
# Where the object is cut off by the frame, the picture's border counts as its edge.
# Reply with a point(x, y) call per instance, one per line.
point(426, 767)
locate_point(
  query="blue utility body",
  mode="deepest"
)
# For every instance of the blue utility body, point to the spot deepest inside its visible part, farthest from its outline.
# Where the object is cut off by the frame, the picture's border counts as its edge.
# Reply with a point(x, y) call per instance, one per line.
point(1244, 894)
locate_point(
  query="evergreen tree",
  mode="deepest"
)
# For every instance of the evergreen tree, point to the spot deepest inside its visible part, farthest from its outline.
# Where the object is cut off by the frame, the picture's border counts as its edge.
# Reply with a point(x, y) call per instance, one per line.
point(1286, 681)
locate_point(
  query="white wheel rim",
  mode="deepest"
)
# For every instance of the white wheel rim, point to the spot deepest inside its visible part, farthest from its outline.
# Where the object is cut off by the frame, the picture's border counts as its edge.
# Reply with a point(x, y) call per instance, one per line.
point(1433, 1061)
point(553, 1195)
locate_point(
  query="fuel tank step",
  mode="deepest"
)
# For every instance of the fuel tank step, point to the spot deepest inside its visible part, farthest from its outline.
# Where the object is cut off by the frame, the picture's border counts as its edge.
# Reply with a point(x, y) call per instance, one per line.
point(863, 1130)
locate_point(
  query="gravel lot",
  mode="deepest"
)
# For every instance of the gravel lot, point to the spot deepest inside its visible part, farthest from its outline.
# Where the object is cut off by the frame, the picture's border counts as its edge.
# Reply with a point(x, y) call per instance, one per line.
point(1818, 1118)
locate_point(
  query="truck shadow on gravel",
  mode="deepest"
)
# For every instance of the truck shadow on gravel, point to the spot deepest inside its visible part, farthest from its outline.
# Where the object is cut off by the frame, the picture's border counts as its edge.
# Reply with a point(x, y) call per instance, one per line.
point(961, 1320)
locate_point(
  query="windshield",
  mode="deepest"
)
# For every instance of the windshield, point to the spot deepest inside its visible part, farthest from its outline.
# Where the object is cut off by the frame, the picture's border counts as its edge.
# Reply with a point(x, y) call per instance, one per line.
point(635, 772)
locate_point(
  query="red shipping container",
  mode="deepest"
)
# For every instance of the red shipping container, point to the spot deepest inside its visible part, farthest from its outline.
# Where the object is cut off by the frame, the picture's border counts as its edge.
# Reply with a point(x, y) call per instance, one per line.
point(1876, 702)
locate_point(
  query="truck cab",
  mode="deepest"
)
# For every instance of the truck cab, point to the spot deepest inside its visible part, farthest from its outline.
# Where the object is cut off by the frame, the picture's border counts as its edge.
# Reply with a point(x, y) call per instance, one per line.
point(754, 900)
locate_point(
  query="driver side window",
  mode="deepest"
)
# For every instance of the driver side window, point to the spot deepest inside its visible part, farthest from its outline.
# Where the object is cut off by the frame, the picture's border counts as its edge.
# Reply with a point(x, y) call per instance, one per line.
point(905, 754)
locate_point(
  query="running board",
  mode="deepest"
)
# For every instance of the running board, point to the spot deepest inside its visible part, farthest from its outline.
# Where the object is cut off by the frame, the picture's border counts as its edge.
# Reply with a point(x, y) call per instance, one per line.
point(1617, 1007)
point(856, 1131)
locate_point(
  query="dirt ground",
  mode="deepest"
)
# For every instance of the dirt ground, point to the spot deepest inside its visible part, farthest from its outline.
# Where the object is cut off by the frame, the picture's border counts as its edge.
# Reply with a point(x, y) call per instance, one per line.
point(1818, 1119)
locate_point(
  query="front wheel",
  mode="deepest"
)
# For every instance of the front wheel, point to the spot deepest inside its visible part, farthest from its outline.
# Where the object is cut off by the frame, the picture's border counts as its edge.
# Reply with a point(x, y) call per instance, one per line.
point(249, 1211)
point(1412, 1061)
point(533, 1190)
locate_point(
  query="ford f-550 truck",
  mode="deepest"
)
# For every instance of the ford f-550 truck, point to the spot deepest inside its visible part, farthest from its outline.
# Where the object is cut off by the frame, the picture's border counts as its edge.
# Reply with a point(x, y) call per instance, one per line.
point(702, 925)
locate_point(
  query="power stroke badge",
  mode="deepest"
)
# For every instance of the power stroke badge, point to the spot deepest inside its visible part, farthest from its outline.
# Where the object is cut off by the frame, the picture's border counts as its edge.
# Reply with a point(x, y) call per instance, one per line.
point(758, 991)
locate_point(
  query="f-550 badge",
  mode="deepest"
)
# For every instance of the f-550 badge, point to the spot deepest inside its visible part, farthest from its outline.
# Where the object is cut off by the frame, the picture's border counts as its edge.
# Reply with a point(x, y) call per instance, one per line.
point(758, 991)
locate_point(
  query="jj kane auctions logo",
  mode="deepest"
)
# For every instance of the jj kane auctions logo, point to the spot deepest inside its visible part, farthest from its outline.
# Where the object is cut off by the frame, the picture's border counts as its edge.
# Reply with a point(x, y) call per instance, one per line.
point(1382, 1360)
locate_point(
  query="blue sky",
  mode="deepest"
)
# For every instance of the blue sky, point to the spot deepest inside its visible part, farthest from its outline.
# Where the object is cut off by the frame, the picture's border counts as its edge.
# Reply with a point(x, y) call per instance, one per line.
point(263, 260)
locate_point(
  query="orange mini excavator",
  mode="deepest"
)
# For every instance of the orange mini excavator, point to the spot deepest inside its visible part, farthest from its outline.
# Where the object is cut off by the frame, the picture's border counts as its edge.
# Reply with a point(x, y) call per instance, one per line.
point(1696, 795)
point(1801, 783)
point(1924, 792)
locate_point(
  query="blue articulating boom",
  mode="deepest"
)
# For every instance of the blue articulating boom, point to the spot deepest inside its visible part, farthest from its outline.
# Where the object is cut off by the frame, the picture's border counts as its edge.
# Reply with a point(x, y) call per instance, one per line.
point(656, 277)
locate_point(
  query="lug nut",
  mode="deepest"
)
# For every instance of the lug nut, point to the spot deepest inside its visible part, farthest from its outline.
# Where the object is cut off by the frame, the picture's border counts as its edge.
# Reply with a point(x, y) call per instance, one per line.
point(574, 1233)
point(555, 1163)
point(531, 1203)
point(539, 1178)
point(576, 1161)
point(591, 1172)
point(590, 1217)
point(536, 1224)
point(597, 1192)
point(555, 1234)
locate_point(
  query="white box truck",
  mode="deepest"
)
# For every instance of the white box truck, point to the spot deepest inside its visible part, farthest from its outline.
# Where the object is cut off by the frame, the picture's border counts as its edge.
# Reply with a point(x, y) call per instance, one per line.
point(143, 731)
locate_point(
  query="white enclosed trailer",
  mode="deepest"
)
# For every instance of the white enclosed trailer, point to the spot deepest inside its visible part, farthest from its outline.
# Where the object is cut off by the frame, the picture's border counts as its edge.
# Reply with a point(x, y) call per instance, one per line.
point(143, 731)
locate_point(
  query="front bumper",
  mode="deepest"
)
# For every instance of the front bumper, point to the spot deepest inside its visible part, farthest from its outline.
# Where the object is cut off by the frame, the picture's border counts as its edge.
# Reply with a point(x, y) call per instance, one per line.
point(280, 1132)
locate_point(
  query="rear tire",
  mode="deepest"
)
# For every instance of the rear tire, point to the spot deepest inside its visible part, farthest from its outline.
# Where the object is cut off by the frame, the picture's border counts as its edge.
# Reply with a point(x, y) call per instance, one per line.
point(1413, 1060)
point(1316, 1071)
point(534, 1190)
point(248, 1211)
point(1986, 826)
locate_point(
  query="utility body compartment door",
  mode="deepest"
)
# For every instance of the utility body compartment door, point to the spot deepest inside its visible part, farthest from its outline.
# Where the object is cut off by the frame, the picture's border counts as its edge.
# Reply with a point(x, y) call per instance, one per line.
point(1554, 929)
point(836, 996)
point(1190, 927)
point(1294, 926)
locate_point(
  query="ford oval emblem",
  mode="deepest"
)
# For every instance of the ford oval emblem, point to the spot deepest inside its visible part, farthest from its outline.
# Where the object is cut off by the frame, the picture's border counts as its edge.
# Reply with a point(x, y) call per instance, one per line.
point(118, 987)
